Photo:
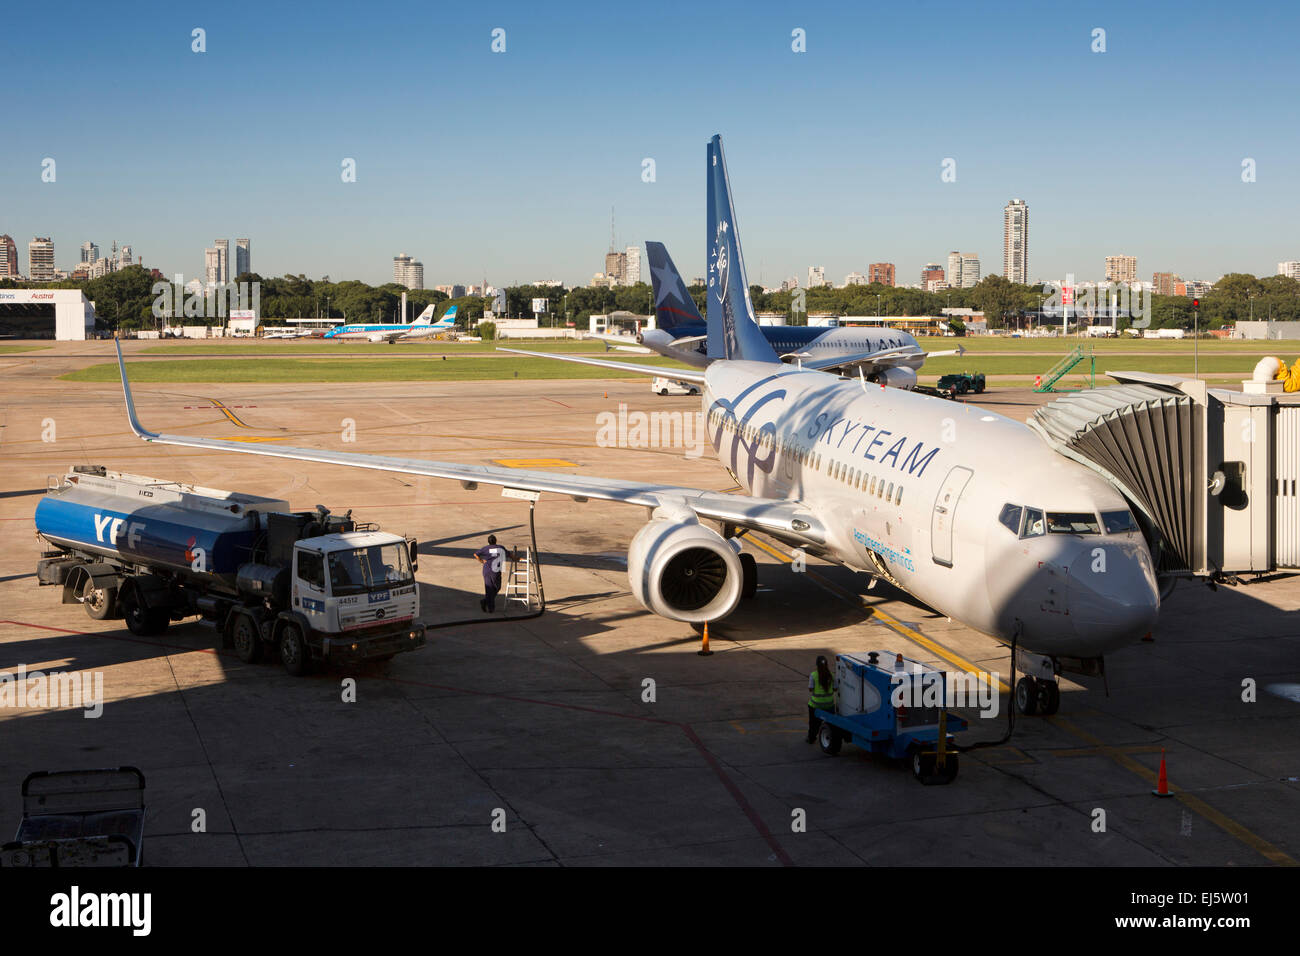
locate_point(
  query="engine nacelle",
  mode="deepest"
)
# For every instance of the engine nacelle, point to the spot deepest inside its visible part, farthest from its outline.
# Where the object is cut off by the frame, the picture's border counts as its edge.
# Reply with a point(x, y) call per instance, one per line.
point(683, 571)
point(896, 377)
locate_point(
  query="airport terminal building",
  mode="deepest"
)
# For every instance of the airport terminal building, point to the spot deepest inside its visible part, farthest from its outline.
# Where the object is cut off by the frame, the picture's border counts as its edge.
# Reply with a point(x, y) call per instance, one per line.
point(63, 314)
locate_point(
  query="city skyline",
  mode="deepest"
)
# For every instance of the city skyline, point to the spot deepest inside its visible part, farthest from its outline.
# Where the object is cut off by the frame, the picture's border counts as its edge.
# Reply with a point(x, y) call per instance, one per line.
point(878, 196)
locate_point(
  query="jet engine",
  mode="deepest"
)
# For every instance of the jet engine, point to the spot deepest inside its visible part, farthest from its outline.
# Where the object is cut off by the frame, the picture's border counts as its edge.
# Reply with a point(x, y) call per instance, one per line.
point(895, 377)
point(681, 570)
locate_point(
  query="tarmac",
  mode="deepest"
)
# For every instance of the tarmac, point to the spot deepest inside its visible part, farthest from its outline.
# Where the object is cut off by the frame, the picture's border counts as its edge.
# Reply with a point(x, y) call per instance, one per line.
point(595, 734)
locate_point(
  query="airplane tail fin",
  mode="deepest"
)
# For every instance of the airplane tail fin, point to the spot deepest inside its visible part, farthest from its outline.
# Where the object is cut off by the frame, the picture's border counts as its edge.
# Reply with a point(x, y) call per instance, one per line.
point(449, 317)
point(425, 317)
point(673, 303)
point(733, 329)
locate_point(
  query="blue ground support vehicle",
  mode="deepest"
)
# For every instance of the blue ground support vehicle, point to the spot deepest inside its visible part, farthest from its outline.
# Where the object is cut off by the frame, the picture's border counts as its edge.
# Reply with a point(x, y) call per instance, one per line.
point(865, 714)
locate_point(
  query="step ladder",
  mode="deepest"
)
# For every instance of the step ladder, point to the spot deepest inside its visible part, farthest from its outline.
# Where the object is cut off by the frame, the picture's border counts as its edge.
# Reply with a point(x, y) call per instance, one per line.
point(523, 584)
point(1078, 354)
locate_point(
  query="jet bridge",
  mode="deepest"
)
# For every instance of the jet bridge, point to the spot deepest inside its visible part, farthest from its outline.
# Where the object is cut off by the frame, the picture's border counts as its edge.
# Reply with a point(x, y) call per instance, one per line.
point(1211, 472)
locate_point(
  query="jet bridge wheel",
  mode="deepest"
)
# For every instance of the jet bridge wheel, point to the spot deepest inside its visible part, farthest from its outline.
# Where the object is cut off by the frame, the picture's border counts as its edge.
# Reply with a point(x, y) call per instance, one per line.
point(830, 739)
point(1027, 696)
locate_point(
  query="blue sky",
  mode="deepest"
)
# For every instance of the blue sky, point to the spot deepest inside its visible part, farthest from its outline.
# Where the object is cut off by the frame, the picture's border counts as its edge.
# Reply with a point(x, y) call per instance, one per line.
point(506, 166)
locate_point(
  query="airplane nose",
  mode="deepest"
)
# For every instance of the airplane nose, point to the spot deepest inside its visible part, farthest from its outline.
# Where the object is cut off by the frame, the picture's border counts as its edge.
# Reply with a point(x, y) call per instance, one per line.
point(1112, 595)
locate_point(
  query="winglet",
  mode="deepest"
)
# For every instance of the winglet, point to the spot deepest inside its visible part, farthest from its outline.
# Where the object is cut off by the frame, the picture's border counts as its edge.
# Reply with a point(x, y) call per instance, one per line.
point(136, 427)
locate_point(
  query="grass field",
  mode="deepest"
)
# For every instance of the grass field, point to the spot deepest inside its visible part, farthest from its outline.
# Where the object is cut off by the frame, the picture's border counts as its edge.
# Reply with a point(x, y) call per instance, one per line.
point(11, 349)
point(1006, 360)
point(274, 347)
point(345, 369)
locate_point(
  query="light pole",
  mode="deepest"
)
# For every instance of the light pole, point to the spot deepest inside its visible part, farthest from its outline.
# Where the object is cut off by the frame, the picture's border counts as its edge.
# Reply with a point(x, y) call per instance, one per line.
point(1196, 337)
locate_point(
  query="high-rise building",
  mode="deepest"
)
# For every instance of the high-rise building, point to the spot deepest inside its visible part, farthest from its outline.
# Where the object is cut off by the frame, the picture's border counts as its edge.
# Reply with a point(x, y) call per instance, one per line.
point(1121, 268)
point(243, 257)
point(40, 259)
point(632, 267)
point(616, 267)
point(816, 277)
point(855, 278)
point(882, 272)
point(963, 270)
point(89, 252)
point(408, 272)
point(8, 258)
point(1015, 241)
point(223, 252)
point(1163, 282)
point(211, 266)
point(931, 276)
point(123, 257)
point(1289, 269)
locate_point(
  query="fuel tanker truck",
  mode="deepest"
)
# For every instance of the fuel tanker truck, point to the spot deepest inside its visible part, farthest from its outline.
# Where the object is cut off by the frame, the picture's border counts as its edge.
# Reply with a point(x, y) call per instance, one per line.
point(307, 586)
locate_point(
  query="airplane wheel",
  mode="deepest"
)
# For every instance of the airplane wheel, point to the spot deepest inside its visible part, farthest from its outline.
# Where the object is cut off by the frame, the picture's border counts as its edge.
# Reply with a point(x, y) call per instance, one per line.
point(1027, 696)
point(1049, 697)
point(829, 738)
point(749, 581)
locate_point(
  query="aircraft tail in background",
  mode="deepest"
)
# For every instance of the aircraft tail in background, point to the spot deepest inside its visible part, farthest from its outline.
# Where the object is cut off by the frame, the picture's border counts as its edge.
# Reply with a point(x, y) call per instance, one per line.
point(673, 303)
point(733, 328)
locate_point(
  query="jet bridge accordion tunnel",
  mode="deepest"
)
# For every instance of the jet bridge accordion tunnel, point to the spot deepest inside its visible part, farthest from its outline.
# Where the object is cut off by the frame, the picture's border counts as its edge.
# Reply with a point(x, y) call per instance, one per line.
point(1213, 473)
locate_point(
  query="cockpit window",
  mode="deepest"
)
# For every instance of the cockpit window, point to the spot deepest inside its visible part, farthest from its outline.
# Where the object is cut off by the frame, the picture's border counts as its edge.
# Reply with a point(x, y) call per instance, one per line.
point(1072, 522)
point(1011, 517)
point(1117, 522)
point(1033, 523)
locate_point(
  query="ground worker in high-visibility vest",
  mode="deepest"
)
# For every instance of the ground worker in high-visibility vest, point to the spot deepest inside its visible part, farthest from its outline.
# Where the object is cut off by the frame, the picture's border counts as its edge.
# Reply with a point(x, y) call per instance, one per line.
point(821, 690)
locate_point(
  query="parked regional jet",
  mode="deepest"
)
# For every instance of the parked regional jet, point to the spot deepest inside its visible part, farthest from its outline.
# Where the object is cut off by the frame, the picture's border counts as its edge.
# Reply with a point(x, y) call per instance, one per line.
point(969, 511)
point(885, 355)
point(422, 327)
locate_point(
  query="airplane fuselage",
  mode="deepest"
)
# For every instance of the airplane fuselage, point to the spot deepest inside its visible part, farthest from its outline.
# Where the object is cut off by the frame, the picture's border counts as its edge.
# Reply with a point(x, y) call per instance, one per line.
point(810, 341)
point(967, 510)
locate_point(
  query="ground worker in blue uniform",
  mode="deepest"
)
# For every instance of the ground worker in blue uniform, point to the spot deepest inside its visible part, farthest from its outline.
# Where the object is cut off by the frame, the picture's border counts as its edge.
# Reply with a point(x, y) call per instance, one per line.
point(492, 558)
point(821, 690)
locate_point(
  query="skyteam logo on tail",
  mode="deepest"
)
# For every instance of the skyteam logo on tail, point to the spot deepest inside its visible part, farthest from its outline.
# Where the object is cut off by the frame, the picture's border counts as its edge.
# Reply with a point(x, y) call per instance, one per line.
point(719, 272)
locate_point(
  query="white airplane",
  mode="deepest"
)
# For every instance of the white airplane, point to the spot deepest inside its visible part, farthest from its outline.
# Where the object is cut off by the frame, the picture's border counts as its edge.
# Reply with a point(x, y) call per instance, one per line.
point(887, 356)
point(423, 327)
point(969, 511)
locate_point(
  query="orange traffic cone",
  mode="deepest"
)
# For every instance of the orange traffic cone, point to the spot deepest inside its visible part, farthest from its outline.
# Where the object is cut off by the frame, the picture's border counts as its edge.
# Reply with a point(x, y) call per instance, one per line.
point(1162, 782)
point(704, 647)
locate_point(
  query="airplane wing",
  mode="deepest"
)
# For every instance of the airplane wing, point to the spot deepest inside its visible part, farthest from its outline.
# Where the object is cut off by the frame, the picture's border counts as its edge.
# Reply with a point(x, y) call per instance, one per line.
point(676, 373)
point(881, 358)
point(622, 343)
point(789, 521)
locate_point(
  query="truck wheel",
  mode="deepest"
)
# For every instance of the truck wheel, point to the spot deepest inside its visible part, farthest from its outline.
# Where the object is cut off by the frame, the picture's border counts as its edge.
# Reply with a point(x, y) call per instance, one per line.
point(247, 640)
point(100, 603)
point(829, 737)
point(293, 651)
point(749, 577)
point(141, 621)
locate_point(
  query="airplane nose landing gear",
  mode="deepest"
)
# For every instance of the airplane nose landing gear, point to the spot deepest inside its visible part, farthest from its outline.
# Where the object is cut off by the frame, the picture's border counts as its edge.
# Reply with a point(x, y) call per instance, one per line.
point(1038, 692)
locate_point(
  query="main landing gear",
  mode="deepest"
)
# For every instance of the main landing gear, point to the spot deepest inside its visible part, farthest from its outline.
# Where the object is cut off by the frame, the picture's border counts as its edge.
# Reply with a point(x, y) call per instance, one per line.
point(1039, 690)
